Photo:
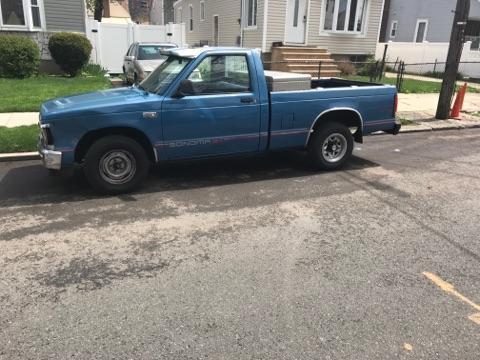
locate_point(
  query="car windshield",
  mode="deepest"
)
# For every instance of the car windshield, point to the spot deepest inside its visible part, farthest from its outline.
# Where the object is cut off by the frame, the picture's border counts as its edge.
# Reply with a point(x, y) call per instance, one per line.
point(164, 74)
point(151, 52)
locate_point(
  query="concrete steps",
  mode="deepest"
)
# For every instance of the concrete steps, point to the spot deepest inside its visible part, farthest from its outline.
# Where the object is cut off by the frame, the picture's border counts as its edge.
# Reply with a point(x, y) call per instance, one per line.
point(303, 60)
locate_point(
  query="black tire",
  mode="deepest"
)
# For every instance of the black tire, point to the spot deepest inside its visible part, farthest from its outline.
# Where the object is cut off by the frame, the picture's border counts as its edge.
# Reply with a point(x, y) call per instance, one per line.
point(125, 76)
point(337, 138)
point(116, 165)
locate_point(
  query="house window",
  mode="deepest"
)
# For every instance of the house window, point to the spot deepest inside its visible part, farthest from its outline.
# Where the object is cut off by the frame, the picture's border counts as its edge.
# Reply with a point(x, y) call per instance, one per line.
point(190, 22)
point(393, 29)
point(421, 31)
point(36, 21)
point(12, 12)
point(251, 13)
point(344, 16)
point(202, 10)
point(18, 14)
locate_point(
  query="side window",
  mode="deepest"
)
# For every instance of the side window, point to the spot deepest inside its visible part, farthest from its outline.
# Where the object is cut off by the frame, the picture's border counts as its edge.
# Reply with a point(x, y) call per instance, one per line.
point(221, 74)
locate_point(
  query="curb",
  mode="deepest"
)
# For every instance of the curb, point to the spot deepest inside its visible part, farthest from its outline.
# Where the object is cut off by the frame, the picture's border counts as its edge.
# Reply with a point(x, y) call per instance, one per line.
point(425, 128)
point(19, 156)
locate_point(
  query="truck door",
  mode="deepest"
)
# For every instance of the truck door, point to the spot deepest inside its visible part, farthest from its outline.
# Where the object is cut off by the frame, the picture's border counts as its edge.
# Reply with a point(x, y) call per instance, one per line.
point(217, 112)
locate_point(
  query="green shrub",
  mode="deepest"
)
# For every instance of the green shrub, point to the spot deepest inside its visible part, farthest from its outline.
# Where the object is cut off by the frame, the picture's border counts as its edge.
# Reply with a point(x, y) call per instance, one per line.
point(94, 70)
point(70, 51)
point(19, 57)
point(369, 67)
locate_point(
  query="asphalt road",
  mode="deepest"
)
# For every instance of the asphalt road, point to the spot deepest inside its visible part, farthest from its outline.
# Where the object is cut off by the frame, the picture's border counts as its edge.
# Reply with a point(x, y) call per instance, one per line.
point(254, 258)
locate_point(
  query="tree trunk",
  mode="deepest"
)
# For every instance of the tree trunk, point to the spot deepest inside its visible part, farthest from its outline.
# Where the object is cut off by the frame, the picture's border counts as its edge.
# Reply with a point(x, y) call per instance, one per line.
point(98, 12)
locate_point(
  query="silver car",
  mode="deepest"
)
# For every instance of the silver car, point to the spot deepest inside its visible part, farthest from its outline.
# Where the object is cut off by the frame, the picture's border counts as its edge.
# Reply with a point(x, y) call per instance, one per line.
point(142, 58)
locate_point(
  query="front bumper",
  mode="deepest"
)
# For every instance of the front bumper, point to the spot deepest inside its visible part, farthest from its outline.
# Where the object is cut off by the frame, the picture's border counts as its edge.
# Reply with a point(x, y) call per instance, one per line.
point(51, 159)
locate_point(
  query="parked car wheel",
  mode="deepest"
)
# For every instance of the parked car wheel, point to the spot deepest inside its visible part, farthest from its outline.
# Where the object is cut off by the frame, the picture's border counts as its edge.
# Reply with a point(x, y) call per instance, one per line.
point(125, 76)
point(331, 146)
point(115, 165)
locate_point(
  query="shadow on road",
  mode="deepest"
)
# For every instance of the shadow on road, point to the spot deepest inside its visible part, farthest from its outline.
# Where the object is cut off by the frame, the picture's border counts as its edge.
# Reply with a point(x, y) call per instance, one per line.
point(30, 184)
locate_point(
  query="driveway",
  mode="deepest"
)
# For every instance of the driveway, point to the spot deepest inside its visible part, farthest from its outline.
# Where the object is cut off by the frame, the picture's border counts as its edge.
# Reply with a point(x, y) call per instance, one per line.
point(254, 258)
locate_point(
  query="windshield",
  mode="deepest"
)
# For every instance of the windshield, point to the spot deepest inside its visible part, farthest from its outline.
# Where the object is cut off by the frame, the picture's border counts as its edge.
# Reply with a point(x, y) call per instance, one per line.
point(151, 52)
point(164, 74)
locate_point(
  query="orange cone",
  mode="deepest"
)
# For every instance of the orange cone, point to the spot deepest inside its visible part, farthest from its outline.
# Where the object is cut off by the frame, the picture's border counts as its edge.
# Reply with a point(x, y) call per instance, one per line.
point(458, 105)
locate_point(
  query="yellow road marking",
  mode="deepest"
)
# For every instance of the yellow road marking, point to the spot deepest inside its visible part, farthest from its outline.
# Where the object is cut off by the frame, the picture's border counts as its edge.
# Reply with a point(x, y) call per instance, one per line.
point(475, 318)
point(449, 288)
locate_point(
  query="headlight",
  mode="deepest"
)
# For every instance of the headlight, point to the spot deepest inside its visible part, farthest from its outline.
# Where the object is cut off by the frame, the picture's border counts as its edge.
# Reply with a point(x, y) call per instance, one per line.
point(46, 133)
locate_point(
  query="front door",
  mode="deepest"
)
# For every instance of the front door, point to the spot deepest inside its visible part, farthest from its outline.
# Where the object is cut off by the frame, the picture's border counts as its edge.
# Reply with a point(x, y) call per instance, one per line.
point(296, 21)
point(218, 113)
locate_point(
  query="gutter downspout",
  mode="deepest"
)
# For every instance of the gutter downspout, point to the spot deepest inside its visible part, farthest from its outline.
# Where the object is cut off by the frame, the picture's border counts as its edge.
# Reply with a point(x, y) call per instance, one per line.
point(265, 22)
point(242, 27)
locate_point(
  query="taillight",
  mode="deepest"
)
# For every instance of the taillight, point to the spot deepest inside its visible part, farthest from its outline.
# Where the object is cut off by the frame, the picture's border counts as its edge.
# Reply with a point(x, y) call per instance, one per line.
point(395, 105)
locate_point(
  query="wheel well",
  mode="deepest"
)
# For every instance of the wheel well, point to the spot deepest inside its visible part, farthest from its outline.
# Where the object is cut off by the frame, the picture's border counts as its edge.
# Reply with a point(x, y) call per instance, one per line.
point(89, 138)
point(349, 118)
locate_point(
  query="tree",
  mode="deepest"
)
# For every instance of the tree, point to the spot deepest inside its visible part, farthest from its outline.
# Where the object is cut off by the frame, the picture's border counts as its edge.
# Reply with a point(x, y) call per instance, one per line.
point(96, 6)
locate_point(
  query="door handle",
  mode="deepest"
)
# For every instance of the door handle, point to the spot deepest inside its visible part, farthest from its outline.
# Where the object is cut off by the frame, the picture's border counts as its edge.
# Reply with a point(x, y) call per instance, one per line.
point(247, 100)
point(150, 115)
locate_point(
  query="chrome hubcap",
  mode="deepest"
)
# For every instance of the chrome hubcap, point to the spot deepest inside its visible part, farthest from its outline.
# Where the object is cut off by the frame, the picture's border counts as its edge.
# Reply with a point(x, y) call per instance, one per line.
point(334, 148)
point(117, 167)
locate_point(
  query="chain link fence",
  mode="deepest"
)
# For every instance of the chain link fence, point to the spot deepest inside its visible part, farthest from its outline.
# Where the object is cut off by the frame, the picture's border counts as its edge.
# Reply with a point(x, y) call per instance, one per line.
point(374, 71)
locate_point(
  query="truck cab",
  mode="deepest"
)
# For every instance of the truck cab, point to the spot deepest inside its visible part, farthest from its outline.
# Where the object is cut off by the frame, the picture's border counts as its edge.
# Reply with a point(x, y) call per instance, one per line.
point(209, 102)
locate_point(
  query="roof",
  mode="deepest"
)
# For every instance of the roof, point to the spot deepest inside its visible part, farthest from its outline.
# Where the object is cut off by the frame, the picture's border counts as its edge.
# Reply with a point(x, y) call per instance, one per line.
point(118, 11)
point(167, 45)
point(195, 52)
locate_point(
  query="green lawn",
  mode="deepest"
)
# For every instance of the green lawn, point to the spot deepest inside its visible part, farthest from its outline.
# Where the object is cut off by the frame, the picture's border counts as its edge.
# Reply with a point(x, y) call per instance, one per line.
point(410, 86)
point(27, 95)
point(18, 139)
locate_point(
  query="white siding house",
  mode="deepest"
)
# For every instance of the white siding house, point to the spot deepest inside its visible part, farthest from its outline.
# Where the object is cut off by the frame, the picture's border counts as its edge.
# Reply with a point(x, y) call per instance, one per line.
point(348, 27)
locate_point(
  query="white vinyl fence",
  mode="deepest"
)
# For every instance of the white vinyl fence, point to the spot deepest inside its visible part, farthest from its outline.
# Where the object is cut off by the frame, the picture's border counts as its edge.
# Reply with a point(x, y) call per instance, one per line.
point(111, 41)
point(427, 54)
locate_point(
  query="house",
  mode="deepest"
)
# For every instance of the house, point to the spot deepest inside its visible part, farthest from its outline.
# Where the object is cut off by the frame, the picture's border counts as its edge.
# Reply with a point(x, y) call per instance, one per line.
point(38, 19)
point(140, 10)
point(346, 28)
point(428, 20)
point(115, 12)
point(161, 12)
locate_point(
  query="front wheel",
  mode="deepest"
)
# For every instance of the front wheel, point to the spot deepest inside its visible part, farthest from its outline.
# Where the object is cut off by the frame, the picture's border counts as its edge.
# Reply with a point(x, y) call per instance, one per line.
point(115, 165)
point(331, 146)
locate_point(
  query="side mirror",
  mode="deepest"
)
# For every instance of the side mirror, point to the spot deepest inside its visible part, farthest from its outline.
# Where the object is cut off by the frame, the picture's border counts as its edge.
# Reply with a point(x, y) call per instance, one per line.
point(129, 58)
point(185, 89)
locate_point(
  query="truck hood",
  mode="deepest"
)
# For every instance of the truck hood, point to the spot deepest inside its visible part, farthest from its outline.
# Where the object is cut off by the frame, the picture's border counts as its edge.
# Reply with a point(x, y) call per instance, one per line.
point(105, 101)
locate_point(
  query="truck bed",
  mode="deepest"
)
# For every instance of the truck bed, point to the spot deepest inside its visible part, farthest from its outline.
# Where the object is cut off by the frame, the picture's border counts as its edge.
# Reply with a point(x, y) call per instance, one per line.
point(331, 83)
point(278, 81)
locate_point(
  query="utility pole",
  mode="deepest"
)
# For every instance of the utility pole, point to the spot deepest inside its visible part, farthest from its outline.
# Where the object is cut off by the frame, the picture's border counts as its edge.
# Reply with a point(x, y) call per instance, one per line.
point(453, 59)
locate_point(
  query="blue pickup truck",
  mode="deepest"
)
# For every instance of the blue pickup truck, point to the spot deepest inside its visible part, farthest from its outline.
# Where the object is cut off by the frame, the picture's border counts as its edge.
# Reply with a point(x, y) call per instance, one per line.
point(208, 102)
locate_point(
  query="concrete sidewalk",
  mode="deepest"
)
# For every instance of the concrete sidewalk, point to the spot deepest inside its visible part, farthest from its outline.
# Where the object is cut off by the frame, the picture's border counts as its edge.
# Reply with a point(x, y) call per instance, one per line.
point(18, 119)
point(428, 102)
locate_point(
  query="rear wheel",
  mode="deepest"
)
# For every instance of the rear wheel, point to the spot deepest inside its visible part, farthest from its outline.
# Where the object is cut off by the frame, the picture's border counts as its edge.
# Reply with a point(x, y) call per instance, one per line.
point(331, 146)
point(115, 165)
